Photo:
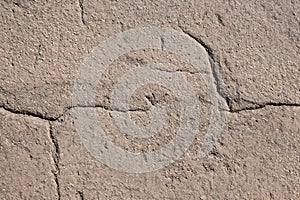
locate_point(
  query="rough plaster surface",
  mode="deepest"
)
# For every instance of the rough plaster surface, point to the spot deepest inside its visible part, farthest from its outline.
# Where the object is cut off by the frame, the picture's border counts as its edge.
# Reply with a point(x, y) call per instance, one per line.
point(254, 46)
point(27, 165)
point(256, 157)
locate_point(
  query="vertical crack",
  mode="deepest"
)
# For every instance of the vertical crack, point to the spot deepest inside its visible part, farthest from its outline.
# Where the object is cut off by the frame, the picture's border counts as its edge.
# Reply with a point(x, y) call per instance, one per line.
point(162, 43)
point(217, 80)
point(82, 12)
point(56, 159)
point(36, 58)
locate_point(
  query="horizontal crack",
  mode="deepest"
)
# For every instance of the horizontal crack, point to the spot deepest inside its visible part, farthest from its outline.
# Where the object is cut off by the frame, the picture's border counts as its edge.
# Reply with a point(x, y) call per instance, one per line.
point(51, 119)
point(258, 105)
point(29, 113)
point(166, 69)
point(111, 109)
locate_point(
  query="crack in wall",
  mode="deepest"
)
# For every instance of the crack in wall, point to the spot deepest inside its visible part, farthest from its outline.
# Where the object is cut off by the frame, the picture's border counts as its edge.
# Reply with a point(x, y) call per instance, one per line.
point(162, 68)
point(216, 76)
point(201, 42)
point(82, 11)
point(107, 108)
point(219, 84)
point(53, 119)
point(257, 105)
point(29, 113)
point(217, 81)
point(260, 105)
point(56, 159)
point(162, 41)
point(211, 57)
point(56, 153)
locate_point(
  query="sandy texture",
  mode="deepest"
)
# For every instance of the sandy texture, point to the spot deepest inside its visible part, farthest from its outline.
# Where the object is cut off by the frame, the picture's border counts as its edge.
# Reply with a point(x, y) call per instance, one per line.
point(27, 164)
point(254, 46)
point(256, 157)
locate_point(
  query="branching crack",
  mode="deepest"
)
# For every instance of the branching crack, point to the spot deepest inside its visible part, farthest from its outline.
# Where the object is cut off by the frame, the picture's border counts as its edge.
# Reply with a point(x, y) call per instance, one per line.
point(82, 12)
point(152, 100)
point(56, 159)
point(220, 88)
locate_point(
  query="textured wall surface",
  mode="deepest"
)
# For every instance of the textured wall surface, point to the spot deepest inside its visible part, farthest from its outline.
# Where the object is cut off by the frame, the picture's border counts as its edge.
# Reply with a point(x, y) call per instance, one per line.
point(254, 50)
